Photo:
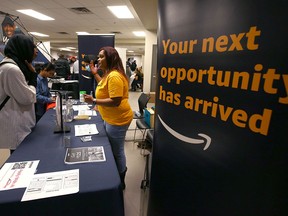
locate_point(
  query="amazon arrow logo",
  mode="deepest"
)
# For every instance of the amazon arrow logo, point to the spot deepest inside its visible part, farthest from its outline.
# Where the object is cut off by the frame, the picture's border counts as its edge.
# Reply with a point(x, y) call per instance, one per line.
point(86, 77)
point(185, 138)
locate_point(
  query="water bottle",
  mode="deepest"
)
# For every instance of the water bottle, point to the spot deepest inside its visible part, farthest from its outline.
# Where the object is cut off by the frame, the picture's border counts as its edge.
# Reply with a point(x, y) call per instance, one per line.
point(69, 110)
point(81, 97)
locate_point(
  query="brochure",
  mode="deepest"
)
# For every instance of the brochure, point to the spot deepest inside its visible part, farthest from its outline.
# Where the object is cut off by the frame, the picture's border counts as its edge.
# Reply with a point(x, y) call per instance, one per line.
point(85, 129)
point(17, 174)
point(85, 155)
point(52, 184)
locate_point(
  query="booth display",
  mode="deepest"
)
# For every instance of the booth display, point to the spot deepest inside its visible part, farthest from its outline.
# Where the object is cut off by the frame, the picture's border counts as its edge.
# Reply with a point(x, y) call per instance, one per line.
point(100, 191)
point(220, 144)
point(66, 85)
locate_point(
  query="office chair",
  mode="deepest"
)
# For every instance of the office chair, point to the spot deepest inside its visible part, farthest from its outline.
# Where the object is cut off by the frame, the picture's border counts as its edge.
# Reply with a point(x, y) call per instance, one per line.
point(139, 114)
point(143, 127)
point(149, 138)
point(149, 142)
point(142, 103)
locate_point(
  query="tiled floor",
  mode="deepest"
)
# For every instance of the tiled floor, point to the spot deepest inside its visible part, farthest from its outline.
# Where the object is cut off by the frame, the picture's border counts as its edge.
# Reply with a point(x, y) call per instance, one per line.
point(135, 198)
point(4, 154)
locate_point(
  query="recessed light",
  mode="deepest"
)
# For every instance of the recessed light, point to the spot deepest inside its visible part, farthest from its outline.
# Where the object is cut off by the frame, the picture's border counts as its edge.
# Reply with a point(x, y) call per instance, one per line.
point(35, 14)
point(82, 33)
point(64, 49)
point(39, 34)
point(121, 12)
point(139, 33)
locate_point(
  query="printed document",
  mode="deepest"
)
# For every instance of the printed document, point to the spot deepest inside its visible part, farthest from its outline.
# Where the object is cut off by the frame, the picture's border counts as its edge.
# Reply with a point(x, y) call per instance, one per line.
point(81, 107)
point(87, 112)
point(85, 129)
point(17, 174)
point(85, 155)
point(52, 184)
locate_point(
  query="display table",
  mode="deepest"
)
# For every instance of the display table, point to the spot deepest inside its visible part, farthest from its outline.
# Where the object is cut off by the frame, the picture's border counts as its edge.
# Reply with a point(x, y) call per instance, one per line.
point(100, 190)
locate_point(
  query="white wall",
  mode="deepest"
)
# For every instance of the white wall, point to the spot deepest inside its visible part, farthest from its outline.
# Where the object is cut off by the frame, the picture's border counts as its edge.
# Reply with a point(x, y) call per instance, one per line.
point(150, 40)
point(122, 54)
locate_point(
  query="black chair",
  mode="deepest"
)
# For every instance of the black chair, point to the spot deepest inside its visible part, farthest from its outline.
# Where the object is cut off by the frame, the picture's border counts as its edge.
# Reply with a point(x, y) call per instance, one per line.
point(142, 103)
point(143, 127)
point(149, 143)
point(149, 138)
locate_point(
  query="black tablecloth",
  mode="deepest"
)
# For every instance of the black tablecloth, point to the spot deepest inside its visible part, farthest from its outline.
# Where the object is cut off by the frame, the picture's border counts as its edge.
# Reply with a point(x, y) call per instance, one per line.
point(99, 193)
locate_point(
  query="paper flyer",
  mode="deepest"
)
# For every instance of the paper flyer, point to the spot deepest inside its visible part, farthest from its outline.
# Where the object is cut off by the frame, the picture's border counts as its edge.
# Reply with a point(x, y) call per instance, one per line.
point(17, 174)
point(85, 129)
point(85, 155)
point(52, 184)
point(87, 112)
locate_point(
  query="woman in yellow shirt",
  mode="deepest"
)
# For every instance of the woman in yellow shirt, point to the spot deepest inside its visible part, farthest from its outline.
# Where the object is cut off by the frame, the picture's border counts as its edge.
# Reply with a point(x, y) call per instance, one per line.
point(112, 102)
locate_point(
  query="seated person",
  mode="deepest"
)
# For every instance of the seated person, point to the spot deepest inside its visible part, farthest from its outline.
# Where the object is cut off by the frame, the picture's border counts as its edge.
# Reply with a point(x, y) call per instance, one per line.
point(138, 80)
point(43, 94)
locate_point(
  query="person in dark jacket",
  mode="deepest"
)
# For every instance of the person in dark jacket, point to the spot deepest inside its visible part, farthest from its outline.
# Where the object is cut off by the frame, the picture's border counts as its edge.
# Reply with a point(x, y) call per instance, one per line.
point(138, 80)
point(62, 67)
point(133, 66)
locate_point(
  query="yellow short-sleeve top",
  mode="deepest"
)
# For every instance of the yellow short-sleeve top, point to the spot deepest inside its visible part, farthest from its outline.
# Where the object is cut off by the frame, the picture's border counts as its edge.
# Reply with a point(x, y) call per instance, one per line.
point(115, 85)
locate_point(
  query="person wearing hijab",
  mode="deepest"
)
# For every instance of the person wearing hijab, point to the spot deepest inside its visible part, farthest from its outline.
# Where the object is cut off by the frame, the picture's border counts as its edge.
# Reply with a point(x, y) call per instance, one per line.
point(17, 94)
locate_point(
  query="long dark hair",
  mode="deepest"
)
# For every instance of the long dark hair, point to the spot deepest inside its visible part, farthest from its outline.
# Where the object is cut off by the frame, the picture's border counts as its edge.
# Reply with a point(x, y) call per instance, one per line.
point(113, 60)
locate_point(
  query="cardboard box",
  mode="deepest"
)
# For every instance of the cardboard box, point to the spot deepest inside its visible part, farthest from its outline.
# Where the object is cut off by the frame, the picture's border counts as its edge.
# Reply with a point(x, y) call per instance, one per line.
point(149, 117)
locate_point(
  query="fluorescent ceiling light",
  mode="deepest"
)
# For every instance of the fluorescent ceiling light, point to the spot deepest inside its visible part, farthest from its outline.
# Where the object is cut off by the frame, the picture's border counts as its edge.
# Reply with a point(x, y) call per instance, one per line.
point(82, 33)
point(39, 34)
point(35, 14)
point(71, 48)
point(121, 12)
point(139, 33)
point(130, 51)
point(64, 49)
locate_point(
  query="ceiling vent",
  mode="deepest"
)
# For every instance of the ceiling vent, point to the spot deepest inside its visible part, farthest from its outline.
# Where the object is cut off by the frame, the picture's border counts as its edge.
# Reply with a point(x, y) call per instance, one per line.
point(81, 10)
point(64, 33)
point(115, 32)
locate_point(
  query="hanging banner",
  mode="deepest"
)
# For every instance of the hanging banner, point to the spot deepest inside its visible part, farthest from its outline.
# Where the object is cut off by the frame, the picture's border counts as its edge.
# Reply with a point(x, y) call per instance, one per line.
point(220, 144)
point(44, 55)
point(89, 46)
point(9, 27)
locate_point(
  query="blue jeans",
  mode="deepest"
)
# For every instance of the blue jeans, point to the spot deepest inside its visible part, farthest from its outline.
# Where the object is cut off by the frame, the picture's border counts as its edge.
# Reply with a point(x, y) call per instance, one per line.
point(116, 136)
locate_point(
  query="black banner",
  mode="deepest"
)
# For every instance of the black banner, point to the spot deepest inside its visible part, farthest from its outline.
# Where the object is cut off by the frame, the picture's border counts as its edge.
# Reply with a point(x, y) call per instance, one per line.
point(220, 145)
point(89, 46)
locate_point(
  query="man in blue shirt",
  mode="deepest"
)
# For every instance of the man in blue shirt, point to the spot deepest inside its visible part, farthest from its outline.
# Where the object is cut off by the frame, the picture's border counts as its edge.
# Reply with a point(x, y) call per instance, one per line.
point(43, 94)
